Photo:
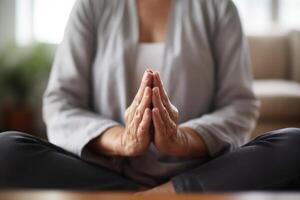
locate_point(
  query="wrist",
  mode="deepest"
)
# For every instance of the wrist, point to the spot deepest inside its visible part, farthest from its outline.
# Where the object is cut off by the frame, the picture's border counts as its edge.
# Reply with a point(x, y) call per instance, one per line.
point(185, 144)
point(117, 140)
point(107, 142)
point(195, 145)
point(118, 146)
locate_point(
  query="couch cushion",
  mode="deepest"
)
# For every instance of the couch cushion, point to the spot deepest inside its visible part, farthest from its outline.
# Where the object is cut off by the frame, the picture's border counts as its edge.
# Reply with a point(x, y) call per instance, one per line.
point(280, 100)
point(295, 58)
point(270, 56)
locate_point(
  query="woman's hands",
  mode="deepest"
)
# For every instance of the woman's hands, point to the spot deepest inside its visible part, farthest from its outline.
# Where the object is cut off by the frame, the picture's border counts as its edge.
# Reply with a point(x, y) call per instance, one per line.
point(136, 138)
point(151, 105)
point(167, 138)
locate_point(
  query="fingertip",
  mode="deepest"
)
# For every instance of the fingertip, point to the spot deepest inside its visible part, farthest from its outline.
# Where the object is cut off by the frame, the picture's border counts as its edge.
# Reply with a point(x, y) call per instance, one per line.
point(155, 110)
point(148, 89)
point(155, 90)
point(158, 75)
point(152, 111)
point(148, 111)
point(155, 75)
point(154, 114)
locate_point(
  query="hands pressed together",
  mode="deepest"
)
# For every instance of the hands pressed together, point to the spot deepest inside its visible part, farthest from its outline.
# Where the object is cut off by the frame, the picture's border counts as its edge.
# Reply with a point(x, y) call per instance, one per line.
point(151, 117)
point(150, 106)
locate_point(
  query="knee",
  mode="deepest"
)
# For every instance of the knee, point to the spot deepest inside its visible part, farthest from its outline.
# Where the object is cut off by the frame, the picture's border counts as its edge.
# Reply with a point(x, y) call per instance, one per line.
point(9, 143)
point(288, 137)
point(289, 134)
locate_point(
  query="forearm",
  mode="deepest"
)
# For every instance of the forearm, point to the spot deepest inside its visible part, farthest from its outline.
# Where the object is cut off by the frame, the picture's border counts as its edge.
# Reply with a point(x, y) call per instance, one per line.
point(194, 145)
point(108, 143)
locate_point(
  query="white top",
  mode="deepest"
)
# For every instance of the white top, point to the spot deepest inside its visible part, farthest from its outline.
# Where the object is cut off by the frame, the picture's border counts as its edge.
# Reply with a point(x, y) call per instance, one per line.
point(149, 55)
point(205, 71)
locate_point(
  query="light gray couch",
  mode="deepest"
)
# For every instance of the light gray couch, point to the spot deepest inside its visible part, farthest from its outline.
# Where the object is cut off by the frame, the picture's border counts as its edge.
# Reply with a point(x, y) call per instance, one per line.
point(276, 68)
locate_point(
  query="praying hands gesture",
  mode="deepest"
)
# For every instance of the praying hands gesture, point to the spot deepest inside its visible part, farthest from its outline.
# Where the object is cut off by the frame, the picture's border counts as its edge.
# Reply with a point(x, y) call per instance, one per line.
point(151, 105)
point(169, 138)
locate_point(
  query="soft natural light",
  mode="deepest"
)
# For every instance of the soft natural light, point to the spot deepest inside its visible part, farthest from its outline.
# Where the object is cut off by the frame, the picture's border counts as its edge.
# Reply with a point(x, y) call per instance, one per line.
point(24, 22)
point(50, 18)
point(45, 20)
point(256, 15)
point(289, 14)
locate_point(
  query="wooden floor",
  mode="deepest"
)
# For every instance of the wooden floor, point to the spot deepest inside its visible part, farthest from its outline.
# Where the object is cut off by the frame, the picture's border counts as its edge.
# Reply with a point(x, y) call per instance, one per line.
point(59, 195)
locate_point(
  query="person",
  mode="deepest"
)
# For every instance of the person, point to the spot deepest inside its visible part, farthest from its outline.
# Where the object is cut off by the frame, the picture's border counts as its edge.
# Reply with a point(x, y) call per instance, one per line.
point(184, 128)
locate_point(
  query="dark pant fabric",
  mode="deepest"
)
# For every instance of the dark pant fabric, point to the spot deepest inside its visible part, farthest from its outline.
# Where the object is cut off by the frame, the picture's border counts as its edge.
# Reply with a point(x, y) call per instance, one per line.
point(269, 162)
point(27, 162)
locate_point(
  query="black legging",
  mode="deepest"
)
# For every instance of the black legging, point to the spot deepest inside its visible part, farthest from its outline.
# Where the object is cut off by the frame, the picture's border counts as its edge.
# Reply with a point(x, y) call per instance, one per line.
point(269, 162)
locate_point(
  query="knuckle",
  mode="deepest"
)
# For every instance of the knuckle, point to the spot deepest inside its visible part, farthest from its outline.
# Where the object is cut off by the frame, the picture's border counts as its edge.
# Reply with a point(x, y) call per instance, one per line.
point(165, 112)
point(165, 102)
point(174, 109)
point(126, 114)
point(138, 112)
point(137, 117)
point(130, 126)
point(141, 130)
point(126, 118)
point(137, 101)
point(174, 126)
point(127, 111)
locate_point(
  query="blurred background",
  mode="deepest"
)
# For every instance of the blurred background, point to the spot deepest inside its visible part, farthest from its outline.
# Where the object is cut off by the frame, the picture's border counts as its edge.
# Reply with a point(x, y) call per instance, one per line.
point(30, 31)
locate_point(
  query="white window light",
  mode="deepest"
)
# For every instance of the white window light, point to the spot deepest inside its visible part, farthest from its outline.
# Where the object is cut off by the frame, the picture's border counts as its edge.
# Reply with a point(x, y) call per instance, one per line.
point(45, 20)
point(256, 15)
point(41, 20)
point(24, 25)
point(289, 14)
point(50, 18)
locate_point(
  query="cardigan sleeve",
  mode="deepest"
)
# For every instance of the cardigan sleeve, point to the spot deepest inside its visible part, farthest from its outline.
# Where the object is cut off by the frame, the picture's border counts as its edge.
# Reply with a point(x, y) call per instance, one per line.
point(70, 121)
point(235, 105)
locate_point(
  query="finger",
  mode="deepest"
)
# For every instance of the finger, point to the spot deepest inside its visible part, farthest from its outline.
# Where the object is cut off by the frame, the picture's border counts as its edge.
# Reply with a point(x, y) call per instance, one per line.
point(158, 83)
point(165, 99)
point(157, 103)
point(157, 121)
point(145, 103)
point(146, 81)
point(144, 126)
point(170, 124)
